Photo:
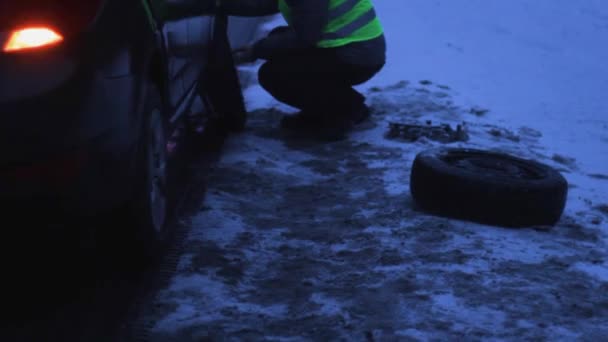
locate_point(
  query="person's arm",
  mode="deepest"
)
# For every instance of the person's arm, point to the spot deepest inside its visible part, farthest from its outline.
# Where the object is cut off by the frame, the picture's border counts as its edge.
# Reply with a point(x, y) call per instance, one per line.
point(308, 20)
point(167, 10)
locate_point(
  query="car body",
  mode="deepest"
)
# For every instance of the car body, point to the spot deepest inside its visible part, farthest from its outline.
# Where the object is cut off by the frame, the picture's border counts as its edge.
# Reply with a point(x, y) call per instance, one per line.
point(72, 112)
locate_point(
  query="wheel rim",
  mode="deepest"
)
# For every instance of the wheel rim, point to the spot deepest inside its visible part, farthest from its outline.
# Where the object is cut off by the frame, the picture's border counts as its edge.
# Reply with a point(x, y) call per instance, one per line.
point(489, 163)
point(157, 167)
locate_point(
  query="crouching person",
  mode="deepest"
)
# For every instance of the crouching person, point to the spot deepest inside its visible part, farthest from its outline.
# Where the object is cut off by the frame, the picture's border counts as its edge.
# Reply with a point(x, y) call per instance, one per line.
point(328, 47)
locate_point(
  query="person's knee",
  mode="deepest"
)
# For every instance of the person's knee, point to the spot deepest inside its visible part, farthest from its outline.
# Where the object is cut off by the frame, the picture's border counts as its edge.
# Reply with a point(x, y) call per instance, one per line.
point(278, 80)
point(267, 76)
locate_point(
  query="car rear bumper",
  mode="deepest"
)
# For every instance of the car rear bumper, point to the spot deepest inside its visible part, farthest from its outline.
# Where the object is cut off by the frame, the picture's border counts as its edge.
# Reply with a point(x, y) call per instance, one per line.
point(67, 147)
point(81, 182)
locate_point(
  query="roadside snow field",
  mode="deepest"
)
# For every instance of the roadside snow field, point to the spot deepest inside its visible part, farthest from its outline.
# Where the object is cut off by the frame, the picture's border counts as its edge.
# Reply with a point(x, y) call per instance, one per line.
point(300, 240)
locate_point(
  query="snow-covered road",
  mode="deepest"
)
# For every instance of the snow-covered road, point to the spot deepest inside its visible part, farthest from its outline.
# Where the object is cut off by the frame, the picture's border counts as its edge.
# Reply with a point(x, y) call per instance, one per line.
point(299, 240)
point(320, 242)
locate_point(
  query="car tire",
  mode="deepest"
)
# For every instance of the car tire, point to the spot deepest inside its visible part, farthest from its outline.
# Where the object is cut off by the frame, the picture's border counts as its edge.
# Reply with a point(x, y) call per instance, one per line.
point(487, 187)
point(221, 88)
point(148, 211)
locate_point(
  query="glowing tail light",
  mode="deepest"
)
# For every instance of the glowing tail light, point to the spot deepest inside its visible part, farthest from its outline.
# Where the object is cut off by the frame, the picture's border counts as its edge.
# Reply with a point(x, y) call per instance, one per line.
point(31, 38)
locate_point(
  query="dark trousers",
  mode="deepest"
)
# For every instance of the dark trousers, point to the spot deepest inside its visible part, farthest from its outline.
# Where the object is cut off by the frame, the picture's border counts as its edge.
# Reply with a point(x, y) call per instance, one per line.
point(316, 81)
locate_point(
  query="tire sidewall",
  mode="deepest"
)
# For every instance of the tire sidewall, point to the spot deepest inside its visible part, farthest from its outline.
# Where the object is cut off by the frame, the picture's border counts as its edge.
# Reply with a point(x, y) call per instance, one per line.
point(448, 190)
point(433, 159)
point(149, 232)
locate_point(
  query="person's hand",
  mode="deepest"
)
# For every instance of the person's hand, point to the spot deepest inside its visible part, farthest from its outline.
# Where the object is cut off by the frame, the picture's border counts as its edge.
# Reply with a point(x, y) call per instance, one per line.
point(243, 55)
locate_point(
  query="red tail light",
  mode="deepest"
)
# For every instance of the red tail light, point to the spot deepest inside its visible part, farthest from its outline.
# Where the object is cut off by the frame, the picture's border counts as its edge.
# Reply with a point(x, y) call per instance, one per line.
point(31, 38)
point(30, 24)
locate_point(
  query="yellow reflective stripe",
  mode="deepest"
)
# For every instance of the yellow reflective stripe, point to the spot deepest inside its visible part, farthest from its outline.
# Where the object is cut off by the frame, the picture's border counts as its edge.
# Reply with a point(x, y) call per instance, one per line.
point(340, 8)
point(370, 31)
point(335, 3)
point(149, 14)
point(358, 10)
point(285, 11)
point(353, 26)
point(349, 21)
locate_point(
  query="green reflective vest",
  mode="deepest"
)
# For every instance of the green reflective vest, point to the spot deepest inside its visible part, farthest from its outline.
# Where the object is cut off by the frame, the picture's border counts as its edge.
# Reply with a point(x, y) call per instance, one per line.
point(349, 21)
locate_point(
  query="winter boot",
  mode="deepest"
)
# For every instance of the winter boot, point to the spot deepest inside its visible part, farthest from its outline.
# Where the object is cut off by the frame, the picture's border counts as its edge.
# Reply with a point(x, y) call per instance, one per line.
point(329, 126)
point(360, 114)
point(303, 121)
point(336, 126)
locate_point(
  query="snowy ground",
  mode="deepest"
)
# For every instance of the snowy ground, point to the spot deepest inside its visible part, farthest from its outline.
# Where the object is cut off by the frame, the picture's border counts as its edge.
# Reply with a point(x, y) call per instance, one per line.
point(300, 240)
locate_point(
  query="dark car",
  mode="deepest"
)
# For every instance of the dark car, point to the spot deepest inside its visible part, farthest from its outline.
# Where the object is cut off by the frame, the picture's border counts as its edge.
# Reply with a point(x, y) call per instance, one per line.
point(90, 91)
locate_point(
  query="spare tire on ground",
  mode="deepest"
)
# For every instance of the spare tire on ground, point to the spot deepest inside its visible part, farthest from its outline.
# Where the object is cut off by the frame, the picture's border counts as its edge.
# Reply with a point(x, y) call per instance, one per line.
point(488, 187)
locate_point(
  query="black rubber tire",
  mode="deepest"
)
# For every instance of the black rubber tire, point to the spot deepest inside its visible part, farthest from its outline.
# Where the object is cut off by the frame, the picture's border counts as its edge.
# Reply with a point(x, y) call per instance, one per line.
point(475, 185)
point(147, 232)
point(221, 88)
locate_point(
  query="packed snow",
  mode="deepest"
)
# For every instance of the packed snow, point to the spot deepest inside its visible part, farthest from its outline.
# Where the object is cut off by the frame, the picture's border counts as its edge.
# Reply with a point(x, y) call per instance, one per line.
point(302, 240)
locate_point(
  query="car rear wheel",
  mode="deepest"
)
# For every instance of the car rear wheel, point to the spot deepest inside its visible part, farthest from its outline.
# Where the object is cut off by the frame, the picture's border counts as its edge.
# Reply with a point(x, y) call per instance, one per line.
point(488, 187)
point(221, 88)
point(149, 208)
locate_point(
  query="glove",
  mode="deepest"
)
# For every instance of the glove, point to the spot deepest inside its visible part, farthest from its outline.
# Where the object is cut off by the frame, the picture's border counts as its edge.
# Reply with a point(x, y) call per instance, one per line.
point(244, 55)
